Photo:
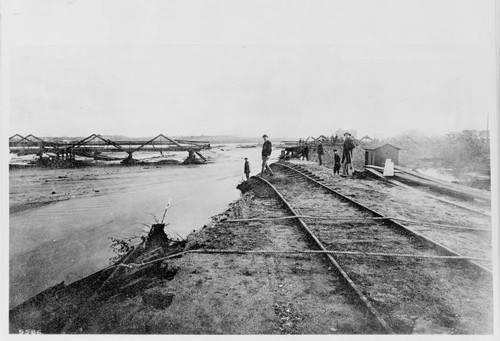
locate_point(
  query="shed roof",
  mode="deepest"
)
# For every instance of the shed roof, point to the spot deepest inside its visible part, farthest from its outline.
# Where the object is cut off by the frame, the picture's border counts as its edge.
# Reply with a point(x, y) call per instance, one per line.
point(374, 146)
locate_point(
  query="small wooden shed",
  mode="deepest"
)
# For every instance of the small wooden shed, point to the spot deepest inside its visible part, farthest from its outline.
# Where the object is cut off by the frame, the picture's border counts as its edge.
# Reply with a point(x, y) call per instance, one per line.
point(377, 154)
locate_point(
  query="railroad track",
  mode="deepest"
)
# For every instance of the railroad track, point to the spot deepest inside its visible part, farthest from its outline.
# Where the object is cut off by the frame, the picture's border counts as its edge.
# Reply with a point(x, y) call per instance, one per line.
point(447, 196)
point(470, 230)
point(404, 294)
point(481, 237)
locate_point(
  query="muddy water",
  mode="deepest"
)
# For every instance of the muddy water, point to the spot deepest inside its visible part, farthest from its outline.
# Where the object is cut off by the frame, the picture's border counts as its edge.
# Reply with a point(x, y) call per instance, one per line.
point(69, 239)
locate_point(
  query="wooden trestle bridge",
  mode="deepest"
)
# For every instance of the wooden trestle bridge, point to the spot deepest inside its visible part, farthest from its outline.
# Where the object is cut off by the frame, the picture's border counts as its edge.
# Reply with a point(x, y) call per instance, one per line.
point(94, 145)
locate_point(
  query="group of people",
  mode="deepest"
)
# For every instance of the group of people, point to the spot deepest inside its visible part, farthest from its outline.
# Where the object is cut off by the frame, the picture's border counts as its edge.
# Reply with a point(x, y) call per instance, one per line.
point(346, 160)
point(267, 148)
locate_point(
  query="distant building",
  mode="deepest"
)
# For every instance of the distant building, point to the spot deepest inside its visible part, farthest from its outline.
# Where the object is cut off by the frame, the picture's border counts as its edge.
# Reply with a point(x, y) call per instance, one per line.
point(376, 154)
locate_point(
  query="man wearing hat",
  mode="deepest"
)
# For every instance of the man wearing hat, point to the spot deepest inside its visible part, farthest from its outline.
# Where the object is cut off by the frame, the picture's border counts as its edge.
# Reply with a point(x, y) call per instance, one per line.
point(267, 148)
point(246, 168)
point(336, 162)
point(347, 153)
point(321, 152)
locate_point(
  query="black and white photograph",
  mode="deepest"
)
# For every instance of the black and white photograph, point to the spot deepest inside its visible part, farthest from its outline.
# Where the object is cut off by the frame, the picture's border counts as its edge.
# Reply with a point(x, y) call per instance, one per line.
point(202, 168)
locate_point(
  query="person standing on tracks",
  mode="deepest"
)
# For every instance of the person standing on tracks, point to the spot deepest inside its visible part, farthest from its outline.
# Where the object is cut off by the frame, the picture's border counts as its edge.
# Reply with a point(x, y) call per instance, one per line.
point(305, 152)
point(336, 162)
point(247, 168)
point(321, 152)
point(347, 153)
point(267, 148)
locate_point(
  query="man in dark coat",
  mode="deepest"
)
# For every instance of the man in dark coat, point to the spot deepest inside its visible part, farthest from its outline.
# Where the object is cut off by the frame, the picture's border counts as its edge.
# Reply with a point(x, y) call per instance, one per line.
point(267, 148)
point(336, 162)
point(321, 152)
point(247, 169)
point(347, 153)
point(305, 152)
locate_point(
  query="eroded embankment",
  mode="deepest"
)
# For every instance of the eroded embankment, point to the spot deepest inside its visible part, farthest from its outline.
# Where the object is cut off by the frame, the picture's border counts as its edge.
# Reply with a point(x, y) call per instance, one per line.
point(211, 293)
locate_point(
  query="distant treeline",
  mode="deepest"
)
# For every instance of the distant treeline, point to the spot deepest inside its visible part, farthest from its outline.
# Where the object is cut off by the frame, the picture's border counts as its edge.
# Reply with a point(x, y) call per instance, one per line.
point(463, 153)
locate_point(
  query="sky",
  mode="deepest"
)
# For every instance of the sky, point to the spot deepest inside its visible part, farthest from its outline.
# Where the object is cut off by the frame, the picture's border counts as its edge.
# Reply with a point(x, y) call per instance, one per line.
point(214, 67)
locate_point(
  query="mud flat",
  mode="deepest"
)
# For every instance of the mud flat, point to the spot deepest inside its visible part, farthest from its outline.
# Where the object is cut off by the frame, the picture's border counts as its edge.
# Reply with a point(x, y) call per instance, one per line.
point(207, 287)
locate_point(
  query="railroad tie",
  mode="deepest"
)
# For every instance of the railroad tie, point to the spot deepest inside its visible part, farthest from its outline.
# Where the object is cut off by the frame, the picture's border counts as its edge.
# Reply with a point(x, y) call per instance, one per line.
point(298, 252)
point(354, 220)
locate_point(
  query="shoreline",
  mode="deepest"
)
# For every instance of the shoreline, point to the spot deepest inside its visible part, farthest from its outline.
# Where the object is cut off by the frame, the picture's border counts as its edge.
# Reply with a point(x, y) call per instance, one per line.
point(69, 239)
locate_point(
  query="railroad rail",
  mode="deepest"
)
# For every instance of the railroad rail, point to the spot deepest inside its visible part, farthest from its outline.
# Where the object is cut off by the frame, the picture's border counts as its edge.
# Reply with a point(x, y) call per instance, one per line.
point(371, 281)
point(443, 194)
point(337, 266)
point(299, 171)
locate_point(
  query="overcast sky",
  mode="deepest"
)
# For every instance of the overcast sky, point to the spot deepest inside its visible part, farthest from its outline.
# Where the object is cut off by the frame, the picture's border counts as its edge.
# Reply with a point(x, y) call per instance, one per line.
point(285, 68)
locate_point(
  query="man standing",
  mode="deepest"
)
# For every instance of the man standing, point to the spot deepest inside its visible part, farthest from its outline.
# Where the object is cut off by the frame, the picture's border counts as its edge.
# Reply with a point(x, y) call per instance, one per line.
point(320, 153)
point(305, 152)
point(267, 148)
point(247, 169)
point(336, 162)
point(347, 153)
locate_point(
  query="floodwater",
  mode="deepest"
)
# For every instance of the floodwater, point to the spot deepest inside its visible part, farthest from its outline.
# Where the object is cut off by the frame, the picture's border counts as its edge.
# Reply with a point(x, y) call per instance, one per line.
point(69, 239)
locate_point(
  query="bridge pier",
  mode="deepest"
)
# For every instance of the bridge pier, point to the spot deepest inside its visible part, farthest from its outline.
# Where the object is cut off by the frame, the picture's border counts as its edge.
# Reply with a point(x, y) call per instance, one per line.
point(128, 159)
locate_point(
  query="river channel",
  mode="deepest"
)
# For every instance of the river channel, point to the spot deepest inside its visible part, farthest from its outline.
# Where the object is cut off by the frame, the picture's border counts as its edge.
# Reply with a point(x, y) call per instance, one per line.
point(69, 239)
